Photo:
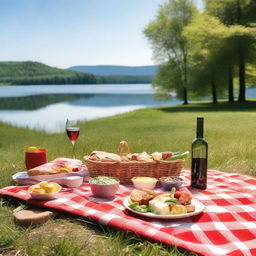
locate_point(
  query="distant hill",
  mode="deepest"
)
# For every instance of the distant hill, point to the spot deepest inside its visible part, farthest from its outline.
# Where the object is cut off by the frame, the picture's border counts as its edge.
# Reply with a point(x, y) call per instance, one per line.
point(109, 70)
point(29, 72)
point(33, 73)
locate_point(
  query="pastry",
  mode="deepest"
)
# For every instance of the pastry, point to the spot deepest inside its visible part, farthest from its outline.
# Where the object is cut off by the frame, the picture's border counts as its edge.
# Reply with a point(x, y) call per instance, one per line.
point(57, 166)
point(104, 156)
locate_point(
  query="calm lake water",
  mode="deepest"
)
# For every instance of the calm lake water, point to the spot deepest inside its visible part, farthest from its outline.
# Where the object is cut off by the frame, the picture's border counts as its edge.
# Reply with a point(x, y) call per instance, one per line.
point(46, 108)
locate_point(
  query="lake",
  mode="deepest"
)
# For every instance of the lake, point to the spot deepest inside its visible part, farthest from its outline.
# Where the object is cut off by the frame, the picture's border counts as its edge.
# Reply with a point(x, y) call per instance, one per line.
point(46, 107)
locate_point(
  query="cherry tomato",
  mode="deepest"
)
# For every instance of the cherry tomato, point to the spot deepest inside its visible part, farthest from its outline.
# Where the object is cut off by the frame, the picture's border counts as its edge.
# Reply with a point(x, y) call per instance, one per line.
point(166, 155)
point(177, 194)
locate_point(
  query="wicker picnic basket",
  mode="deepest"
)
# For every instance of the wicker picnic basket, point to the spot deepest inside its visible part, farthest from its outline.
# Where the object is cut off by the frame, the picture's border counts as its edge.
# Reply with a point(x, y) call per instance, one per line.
point(125, 171)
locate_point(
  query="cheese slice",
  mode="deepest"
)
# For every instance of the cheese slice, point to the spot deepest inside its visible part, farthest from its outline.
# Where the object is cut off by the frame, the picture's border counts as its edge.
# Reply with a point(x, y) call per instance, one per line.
point(151, 204)
point(161, 208)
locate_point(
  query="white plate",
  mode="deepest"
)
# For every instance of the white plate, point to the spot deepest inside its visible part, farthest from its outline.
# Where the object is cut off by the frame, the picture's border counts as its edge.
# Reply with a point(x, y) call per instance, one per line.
point(199, 207)
point(23, 178)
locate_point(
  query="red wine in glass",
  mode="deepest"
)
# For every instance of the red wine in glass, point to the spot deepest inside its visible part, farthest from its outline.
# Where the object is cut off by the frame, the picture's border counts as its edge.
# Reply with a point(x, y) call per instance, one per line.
point(73, 131)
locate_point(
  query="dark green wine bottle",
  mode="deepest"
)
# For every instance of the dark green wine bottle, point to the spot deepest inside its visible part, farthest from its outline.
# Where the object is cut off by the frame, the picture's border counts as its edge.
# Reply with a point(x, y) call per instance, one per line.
point(199, 157)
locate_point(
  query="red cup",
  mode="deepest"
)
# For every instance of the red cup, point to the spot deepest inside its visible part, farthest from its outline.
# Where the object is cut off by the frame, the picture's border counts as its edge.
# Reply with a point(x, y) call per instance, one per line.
point(34, 159)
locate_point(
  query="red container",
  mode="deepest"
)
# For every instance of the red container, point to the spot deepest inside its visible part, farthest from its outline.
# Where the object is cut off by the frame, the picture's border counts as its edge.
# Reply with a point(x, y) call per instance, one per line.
point(34, 159)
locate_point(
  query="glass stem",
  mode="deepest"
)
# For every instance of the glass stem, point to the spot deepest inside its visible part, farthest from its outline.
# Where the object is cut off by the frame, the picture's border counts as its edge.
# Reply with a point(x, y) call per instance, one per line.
point(73, 143)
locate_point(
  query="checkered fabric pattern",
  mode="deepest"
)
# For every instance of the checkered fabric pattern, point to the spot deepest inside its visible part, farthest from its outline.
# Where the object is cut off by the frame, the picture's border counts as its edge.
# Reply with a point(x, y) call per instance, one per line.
point(226, 227)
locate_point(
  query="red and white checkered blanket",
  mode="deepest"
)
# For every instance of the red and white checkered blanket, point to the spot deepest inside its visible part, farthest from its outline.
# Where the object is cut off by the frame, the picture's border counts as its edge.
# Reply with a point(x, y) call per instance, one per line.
point(227, 226)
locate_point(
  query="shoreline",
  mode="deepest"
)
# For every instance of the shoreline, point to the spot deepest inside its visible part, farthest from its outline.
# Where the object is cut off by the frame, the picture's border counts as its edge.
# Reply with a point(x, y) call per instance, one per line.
point(236, 106)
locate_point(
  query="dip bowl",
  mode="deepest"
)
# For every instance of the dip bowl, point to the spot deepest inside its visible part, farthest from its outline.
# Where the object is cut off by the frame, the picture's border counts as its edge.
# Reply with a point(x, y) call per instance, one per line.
point(144, 182)
point(73, 181)
point(169, 182)
point(105, 187)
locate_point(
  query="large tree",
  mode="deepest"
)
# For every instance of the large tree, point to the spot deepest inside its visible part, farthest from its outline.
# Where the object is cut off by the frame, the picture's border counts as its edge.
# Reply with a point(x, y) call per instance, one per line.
point(242, 15)
point(211, 56)
point(170, 45)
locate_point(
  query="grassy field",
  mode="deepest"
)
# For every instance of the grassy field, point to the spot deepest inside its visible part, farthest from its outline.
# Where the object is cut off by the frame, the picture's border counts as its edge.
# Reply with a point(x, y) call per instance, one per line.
point(229, 130)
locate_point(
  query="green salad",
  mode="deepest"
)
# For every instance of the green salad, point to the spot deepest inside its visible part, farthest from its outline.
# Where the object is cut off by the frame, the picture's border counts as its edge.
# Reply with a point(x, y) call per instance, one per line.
point(139, 208)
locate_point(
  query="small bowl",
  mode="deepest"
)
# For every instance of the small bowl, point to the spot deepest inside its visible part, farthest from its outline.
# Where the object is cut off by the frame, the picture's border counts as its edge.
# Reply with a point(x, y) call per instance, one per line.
point(104, 191)
point(73, 181)
point(174, 181)
point(48, 196)
point(144, 182)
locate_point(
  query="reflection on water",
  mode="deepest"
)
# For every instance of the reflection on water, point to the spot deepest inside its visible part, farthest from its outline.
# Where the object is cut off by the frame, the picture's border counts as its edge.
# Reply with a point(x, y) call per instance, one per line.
point(37, 101)
point(28, 90)
point(34, 108)
point(94, 100)
point(47, 107)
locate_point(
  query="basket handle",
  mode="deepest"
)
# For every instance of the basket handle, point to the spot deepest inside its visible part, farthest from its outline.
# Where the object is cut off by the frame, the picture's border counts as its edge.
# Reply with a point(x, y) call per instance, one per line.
point(123, 145)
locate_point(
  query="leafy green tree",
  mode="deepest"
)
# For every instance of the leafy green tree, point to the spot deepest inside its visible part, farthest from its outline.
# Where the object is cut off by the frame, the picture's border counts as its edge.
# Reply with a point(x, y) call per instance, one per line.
point(210, 56)
point(240, 16)
point(170, 46)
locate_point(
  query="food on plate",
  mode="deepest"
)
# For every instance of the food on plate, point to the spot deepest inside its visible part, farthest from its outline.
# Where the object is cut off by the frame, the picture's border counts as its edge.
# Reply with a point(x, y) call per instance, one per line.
point(103, 186)
point(139, 208)
point(142, 197)
point(159, 207)
point(45, 187)
point(185, 198)
point(32, 149)
point(161, 203)
point(50, 188)
point(169, 182)
point(44, 190)
point(178, 209)
point(177, 194)
point(57, 166)
point(38, 190)
point(144, 182)
point(48, 169)
point(190, 208)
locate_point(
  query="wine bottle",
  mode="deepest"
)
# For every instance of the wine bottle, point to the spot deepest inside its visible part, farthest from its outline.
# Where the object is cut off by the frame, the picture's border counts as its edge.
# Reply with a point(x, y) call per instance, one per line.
point(199, 157)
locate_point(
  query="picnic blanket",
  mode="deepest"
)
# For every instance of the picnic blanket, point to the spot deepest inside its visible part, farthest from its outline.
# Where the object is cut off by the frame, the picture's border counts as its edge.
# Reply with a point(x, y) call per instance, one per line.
point(226, 227)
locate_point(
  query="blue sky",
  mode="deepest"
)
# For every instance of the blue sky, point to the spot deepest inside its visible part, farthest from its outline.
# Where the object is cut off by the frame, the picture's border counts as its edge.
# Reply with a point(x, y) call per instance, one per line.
point(65, 33)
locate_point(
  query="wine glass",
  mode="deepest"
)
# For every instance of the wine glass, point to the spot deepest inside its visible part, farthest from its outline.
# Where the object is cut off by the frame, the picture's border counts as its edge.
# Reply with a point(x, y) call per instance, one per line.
point(73, 131)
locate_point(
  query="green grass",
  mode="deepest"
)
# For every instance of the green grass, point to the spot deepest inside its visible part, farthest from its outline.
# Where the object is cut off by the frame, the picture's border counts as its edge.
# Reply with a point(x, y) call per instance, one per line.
point(229, 130)
point(68, 236)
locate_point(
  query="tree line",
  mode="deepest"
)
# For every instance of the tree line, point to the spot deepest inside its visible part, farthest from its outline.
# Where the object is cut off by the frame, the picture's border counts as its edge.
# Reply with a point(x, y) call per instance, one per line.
point(204, 53)
point(34, 73)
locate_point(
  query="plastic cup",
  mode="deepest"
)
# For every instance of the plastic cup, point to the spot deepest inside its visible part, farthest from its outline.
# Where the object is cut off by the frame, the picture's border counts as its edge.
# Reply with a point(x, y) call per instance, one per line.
point(34, 159)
